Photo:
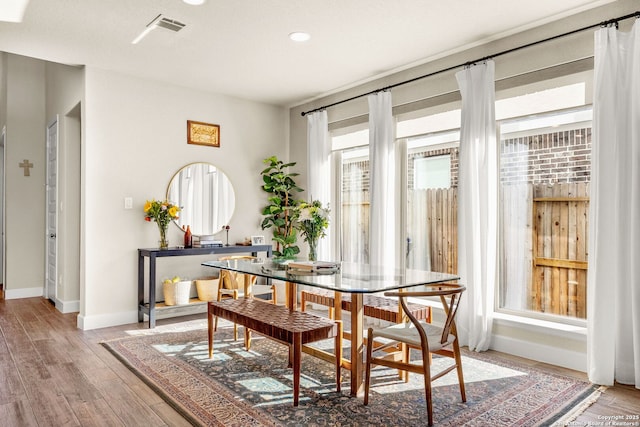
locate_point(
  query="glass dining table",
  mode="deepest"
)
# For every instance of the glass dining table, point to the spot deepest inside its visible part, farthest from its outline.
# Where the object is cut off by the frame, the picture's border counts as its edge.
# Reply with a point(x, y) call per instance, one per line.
point(354, 279)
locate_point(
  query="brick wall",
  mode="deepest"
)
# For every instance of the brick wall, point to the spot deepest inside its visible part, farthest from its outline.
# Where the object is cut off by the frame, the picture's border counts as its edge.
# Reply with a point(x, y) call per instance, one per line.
point(547, 158)
point(355, 179)
point(563, 156)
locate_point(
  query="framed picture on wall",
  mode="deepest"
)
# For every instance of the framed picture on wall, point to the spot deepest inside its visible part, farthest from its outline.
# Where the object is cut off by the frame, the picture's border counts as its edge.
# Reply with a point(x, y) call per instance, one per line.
point(201, 133)
point(257, 240)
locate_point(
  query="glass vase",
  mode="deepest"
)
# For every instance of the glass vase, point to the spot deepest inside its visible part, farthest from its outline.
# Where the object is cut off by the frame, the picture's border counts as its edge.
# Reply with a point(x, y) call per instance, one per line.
point(164, 242)
point(313, 249)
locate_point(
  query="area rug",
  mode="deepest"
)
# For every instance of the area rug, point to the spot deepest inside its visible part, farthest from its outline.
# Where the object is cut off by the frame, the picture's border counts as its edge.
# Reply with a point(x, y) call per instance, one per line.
point(254, 388)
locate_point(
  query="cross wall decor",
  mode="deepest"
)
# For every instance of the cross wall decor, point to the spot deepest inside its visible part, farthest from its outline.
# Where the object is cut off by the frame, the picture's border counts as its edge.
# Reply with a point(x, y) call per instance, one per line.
point(26, 165)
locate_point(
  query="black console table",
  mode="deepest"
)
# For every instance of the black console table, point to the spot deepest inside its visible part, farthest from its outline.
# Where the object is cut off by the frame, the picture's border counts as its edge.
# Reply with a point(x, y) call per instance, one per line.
point(150, 308)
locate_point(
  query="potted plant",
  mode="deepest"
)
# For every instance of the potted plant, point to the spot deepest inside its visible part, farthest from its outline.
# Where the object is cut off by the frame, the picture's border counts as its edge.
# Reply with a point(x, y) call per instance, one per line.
point(281, 213)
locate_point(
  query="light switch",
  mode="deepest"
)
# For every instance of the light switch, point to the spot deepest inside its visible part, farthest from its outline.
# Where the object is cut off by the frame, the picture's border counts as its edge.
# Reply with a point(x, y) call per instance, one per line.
point(128, 202)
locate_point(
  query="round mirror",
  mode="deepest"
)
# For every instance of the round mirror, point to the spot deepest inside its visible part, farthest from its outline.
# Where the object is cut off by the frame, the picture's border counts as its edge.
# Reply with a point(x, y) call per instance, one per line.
point(206, 197)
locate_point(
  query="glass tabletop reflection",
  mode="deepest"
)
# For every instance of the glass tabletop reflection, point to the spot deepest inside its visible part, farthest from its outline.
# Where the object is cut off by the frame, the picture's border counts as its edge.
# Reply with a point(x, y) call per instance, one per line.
point(346, 277)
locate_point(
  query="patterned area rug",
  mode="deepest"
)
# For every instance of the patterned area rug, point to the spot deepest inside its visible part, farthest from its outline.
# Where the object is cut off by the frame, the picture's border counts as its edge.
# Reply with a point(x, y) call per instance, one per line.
point(254, 388)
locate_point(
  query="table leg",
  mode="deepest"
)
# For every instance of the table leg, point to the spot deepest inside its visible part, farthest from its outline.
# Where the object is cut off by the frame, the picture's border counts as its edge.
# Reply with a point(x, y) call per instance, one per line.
point(291, 301)
point(152, 291)
point(210, 329)
point(292, 296)
point(337, 305)
point(357, 343)
point(248, 293)
point(140, 287)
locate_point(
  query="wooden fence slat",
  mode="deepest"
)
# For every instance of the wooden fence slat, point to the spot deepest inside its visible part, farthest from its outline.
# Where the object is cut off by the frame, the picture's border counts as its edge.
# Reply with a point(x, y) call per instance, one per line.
point(582, 239)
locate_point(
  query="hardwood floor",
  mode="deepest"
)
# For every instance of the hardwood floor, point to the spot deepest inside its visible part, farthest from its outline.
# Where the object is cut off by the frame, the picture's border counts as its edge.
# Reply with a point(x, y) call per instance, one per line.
point(53, 374)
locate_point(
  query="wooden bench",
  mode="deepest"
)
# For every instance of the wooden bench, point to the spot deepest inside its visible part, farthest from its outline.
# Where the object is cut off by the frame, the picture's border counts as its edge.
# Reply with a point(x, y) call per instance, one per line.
point(293, 328)
point(374, 306)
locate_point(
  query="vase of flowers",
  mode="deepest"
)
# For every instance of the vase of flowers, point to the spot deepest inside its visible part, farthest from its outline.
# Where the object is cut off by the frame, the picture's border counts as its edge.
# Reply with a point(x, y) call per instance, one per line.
point(162, 212)
point(313, 221)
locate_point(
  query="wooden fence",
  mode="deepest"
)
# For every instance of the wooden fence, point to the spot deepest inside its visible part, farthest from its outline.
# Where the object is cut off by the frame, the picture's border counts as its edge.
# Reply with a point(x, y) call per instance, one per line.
point(545, 245)
point(560, 215)
point(544, 228)
point(442, 226)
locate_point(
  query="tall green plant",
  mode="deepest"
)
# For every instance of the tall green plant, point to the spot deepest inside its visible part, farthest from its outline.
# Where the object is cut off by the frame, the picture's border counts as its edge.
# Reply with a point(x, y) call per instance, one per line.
point(281, 213)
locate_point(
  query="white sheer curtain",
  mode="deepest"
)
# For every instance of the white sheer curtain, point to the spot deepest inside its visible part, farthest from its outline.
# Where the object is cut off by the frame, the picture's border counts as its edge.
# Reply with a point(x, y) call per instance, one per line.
point(613, 283)
point(516, 253)
point(478, 200)
point(382, 175)
point(319, 181)
point(418, 251)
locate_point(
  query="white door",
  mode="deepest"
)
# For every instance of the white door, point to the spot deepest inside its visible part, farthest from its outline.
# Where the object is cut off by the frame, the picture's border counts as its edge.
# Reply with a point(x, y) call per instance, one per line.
point(52, 211)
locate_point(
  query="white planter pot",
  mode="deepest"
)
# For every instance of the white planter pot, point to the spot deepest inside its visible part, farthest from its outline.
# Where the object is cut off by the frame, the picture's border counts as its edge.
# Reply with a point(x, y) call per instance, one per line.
point(177, 293)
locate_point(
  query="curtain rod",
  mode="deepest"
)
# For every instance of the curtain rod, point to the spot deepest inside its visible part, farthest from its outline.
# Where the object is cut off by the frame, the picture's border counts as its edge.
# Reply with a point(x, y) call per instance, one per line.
point(485, 58)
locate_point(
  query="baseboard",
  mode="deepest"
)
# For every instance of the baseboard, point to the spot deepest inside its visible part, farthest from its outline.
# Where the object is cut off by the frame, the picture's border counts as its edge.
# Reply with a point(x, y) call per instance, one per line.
point(68, 306)
point(540, 353)
point(23, 293)
point(105, 320)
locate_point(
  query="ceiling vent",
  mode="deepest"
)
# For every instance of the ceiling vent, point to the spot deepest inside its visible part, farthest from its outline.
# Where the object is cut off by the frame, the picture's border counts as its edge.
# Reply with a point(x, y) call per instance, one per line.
point(159, 22)
point(169, 24)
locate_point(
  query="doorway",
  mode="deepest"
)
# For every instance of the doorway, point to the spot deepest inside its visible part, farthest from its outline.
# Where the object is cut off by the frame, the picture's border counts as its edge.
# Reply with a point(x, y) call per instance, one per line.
point(62, 260)
point(51, 253)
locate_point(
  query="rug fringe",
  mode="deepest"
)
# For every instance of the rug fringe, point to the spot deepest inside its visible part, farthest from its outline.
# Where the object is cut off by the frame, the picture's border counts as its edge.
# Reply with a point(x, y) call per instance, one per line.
point(579, 409)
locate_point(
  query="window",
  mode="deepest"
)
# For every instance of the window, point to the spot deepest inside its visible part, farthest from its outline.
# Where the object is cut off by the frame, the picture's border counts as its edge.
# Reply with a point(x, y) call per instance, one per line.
point(545, 146)
point(432, 172)
point(431, 214)
point(353, 197)
point(544, 183)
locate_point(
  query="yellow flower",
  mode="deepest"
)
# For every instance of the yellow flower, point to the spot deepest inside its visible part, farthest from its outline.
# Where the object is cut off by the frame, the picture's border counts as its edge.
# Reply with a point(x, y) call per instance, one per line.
point(162, 212)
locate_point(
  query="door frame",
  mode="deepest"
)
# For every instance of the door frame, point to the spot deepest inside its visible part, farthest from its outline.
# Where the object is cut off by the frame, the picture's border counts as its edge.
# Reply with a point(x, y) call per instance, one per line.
point(46, 291)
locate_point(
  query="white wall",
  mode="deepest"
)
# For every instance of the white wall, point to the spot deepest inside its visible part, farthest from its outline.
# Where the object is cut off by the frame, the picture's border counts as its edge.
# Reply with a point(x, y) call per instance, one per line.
point(134, 140)
point(25, 121)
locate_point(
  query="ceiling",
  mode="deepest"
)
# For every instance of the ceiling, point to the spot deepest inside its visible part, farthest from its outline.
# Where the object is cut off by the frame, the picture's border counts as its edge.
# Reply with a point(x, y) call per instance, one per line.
point(241, 47)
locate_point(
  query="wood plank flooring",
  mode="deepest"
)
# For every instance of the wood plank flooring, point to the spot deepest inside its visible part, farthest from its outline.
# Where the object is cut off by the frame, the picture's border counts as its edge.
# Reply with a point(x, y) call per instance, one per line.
point(53, 374)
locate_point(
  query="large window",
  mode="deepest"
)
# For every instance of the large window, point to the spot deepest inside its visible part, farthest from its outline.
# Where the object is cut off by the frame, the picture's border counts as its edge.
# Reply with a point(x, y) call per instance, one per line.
point(545, 134)
point(431, 214)
point(544, 182)
point(353, 197)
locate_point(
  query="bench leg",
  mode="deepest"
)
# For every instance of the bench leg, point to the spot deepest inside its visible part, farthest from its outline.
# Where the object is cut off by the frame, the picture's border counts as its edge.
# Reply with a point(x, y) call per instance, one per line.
point(247, 338)
point(297, 354)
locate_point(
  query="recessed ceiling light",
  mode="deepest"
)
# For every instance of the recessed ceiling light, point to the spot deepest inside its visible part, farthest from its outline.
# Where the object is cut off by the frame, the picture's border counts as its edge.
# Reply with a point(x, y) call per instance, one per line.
point(13, 10)
point(299, 36)
point(194, 2)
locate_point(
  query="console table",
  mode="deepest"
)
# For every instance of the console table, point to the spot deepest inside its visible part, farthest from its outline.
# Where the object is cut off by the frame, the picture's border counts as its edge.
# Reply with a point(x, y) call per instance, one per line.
point(153, 253)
